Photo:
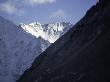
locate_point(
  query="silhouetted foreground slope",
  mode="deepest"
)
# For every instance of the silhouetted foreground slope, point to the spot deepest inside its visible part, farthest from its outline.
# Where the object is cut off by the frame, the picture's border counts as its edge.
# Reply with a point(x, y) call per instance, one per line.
point(81, 55)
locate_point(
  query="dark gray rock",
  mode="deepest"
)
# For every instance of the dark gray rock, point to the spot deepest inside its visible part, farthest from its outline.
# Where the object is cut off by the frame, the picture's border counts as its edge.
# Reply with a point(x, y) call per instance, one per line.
point(81, 55)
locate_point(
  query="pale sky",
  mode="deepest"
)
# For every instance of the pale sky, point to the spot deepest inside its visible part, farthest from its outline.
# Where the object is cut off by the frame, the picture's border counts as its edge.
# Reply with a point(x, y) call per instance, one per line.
point(44, 11)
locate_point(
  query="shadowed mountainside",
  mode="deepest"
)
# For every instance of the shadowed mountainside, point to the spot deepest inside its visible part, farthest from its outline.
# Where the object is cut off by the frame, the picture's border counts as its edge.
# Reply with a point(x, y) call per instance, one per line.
point(81, 55)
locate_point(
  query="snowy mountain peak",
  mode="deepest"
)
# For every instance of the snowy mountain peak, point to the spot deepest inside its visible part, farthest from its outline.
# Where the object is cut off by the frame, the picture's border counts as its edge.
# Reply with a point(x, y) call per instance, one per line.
point(34, 24)
point(50, 32)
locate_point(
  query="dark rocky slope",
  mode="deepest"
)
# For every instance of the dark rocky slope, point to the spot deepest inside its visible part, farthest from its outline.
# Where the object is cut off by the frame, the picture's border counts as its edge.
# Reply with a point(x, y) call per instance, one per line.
point(81, 55)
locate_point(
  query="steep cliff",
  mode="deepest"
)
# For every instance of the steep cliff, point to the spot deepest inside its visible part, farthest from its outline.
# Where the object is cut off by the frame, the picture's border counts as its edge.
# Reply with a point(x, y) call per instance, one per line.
point(81, 55)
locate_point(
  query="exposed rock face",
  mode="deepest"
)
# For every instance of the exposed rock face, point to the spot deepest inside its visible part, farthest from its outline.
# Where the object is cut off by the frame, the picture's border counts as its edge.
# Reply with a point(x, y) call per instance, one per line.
point(81, 55)
point(17, 50)
point(19, 46)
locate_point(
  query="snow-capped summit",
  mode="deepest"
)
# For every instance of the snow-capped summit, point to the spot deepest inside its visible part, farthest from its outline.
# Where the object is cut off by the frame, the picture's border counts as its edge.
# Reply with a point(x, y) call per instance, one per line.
point(50, 32)
point(33, 28)
point(34, 23)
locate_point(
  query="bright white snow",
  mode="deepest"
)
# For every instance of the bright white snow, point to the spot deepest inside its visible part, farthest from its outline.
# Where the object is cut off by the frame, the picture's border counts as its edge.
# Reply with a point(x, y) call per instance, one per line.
point(50, 32)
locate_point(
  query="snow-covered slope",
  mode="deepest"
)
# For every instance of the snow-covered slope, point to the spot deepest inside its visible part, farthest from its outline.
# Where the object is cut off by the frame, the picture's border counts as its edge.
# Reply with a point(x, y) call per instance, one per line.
point(50, 32)
point(19, 46)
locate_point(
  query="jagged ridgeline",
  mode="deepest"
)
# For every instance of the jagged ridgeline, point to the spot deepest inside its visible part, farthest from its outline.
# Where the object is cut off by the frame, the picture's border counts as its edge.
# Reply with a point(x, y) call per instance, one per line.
point(81, 55)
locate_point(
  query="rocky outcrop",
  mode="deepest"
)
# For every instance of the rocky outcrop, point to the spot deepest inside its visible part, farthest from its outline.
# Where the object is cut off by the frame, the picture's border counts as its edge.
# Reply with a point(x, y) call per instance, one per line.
point(81, 55)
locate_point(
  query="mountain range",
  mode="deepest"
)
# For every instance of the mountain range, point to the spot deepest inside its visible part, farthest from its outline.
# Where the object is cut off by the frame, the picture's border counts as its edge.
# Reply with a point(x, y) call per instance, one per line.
point(80, 55)
point(50, 32)
point(20, 45)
